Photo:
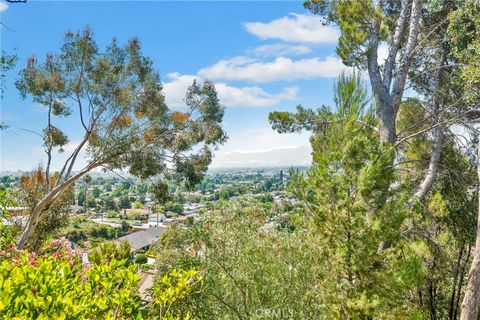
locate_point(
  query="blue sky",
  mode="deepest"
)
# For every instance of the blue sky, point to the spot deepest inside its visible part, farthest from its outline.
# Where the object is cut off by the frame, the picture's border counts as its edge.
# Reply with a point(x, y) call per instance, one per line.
point(262, 56)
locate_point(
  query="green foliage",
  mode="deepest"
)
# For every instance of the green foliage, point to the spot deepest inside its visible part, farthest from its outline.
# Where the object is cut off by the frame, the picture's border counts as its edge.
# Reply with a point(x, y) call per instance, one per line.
point(125, 226)
point(57, 286)
point(80, 230)
point(142, 188)
point(348, 198)
point(137, 205)
point(7, 62)
point(6, 236)
point(108, 203)
point(174, 207)
point(54, 288)
point(127, 125)
point(351, 90)
point(445, 219)
point(126, 185)
point(353, 18)
point(464, 34)
point(81, 197)
point(319, 258)
point(246, 268)
point(345, 194)
point(96, 192)
point(141, 258)
point(356, 18)
point(33, 186)
point(90, 202)
point(110, 250)
point(324, 259)
point(161, 193)
point(135, 214)
point(286, 122)
point(171, 289)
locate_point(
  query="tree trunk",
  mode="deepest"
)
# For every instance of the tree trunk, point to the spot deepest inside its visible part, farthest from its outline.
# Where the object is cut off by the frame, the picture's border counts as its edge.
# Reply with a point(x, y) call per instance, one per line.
point(438, 134)
point(432, 170)
point(389, 97)
point(387, 127)
point(50, 197)
point(456, 274)
point(460, 282)
point(471, 301)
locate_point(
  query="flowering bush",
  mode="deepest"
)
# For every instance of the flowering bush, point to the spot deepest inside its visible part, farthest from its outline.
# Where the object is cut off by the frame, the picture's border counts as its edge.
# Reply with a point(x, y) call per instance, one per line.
point(62, 249)
point(58, 287)
point(55, 284)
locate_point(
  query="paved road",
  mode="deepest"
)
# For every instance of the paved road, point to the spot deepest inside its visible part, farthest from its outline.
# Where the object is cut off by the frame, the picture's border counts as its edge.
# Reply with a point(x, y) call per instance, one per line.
point(118, 224)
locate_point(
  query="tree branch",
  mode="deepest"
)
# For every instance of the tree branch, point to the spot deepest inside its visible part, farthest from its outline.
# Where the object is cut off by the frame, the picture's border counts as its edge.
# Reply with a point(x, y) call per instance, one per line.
point(395, 46)
point(401, 77)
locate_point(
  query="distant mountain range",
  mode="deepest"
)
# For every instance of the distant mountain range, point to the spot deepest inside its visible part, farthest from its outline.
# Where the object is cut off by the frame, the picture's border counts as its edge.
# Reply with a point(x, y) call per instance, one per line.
point(281, 157)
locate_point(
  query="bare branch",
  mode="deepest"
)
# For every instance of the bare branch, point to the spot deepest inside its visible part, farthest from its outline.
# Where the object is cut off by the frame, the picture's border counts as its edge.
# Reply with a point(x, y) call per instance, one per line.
point(414, 29)
point(449, 121)
point(395, 46)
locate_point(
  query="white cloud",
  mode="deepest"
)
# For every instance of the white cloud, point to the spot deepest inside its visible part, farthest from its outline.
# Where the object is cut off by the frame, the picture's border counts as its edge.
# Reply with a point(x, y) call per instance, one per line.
point(68, 149)
point(303, 28)
point(3, 6)
point(252, 96)
point(267, 138)
point(247, 69)
point(279, 49)
point(229, 96)
point(382, 53)
point(71, 146)
point(38, 108)
point(37, 157)
point(176, 88)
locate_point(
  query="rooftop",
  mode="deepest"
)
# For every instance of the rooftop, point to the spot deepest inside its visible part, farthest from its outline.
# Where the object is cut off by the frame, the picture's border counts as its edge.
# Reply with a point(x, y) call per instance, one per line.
point(141, 239)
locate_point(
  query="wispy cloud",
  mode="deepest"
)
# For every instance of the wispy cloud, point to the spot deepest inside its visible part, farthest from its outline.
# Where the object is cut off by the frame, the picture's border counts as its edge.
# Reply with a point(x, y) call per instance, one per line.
point(382, 53)
point(38, 108)
point(301, 28)
point(253, 96)
point(269, 138)
point(230, 96)
point(3, 6)
point(279, 49)
point(265, 63)
point(281, 68)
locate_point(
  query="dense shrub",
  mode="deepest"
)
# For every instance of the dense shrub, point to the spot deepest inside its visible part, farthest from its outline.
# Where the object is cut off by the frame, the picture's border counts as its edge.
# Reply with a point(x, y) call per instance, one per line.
point(76, 235)
point(80, 229)
point(107, 251)
point(57, 286)
point(141, 258)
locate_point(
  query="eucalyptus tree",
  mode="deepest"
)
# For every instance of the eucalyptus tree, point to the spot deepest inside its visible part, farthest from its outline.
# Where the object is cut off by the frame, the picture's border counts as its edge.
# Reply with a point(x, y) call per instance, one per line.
point(116, 96)
point(32, 188)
